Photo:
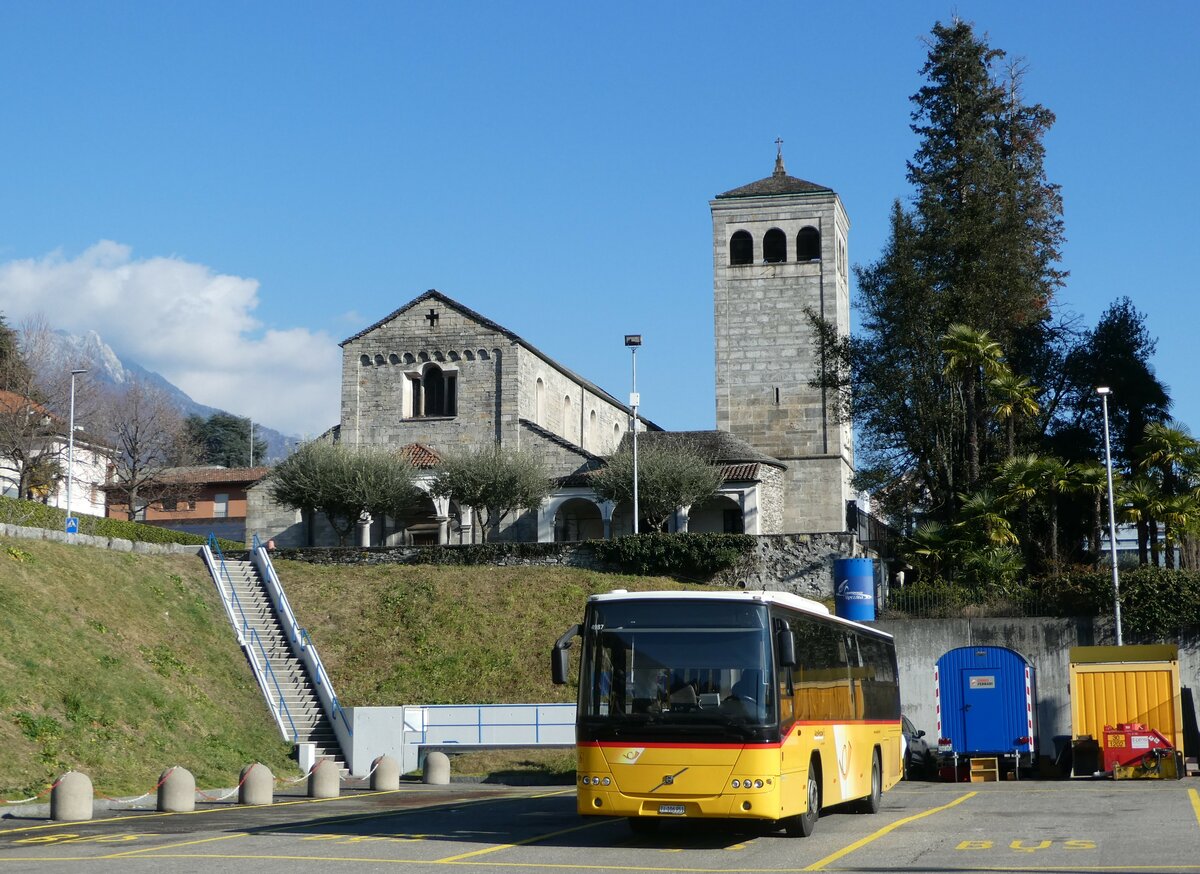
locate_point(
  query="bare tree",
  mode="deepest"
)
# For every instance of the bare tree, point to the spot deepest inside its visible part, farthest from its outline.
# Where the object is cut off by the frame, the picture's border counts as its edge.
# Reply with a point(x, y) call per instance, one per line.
point(34, 400)
point(149, 438)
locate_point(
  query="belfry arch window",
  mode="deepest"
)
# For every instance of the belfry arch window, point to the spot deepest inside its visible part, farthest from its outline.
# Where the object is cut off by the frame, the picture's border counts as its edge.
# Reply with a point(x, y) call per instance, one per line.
point(808, 244)
point(433, 392)
point(741, 248)
point(775, 246)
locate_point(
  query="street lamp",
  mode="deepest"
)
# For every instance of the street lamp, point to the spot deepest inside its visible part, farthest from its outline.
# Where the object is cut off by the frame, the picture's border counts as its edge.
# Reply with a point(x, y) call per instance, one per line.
point(1104, 392)
point(633, 341)
point(71, 445)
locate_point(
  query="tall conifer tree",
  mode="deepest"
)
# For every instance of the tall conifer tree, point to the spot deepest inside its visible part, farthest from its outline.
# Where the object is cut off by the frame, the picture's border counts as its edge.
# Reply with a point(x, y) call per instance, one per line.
point(979, 247)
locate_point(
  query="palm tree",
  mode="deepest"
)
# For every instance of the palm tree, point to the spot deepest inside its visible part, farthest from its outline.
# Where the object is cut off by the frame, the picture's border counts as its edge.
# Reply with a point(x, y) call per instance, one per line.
point(1140, 503)
point(982, 517)
point(1090, 479)
point(1171, 453)
point(969, 352)
point(1018, 476)
point(1015, 396)
point(1040, 478)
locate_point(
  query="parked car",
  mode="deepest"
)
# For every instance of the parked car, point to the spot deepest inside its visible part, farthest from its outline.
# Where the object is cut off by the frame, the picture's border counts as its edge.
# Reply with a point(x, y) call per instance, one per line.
point(920, 760)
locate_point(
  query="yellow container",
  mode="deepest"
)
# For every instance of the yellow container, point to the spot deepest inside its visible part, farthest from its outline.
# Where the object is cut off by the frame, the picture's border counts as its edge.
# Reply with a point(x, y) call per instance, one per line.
point(1115, 684)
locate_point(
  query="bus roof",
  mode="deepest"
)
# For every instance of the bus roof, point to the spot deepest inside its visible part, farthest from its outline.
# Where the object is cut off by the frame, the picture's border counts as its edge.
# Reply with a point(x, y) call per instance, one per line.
point(782, 599)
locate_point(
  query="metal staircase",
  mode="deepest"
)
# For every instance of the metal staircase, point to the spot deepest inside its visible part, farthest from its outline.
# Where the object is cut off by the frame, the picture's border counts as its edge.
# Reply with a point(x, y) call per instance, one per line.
point(278, 651)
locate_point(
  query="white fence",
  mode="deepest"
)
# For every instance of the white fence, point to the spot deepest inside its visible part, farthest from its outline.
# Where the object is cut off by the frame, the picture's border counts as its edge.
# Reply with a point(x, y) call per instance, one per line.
point(401, 731)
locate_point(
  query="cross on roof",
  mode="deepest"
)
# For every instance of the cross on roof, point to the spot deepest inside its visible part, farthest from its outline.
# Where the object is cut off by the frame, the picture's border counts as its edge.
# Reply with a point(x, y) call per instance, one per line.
point(432, 316)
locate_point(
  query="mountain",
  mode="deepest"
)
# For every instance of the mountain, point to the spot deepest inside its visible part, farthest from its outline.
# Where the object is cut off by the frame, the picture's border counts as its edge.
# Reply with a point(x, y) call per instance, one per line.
point(106, 368)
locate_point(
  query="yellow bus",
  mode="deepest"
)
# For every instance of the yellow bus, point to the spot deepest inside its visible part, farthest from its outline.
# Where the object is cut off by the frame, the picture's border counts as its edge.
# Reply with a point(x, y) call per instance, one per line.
point(733, 705)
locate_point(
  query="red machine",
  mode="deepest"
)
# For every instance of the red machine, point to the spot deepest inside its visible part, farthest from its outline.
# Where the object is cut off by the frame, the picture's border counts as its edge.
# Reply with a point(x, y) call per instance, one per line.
point(1131, 750)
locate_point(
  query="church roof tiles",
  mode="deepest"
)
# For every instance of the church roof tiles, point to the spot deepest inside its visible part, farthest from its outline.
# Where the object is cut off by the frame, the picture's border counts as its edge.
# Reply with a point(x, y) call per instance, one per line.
point(777, 183)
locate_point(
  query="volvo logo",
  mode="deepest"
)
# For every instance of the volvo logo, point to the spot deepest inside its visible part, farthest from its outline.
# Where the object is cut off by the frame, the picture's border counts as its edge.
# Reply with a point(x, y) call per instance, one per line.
point(668, 779)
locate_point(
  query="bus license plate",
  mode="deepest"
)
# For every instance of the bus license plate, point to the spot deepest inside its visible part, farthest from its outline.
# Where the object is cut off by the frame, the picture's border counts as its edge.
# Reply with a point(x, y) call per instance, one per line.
point(672, 809)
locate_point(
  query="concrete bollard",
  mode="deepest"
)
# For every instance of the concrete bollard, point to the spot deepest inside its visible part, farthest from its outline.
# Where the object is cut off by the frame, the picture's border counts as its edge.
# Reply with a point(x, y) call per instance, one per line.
point(177, 791)
point(257, 785)
point(71, 798)
point(386, 774)
point(437, 769)
point(324, 781)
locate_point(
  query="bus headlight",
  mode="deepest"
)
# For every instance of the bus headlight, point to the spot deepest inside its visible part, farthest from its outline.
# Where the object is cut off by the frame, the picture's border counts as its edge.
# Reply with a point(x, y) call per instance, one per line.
point(737, 784)
point(607, 781)
point(758, 784)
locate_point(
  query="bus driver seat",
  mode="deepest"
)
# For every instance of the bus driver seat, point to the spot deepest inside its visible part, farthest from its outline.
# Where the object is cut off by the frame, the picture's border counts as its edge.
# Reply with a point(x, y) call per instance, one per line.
point(743, 697)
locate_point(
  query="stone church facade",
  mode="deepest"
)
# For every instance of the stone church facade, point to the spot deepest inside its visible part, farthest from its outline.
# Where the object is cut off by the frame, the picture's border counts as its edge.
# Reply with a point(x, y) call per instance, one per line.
point(435, 377)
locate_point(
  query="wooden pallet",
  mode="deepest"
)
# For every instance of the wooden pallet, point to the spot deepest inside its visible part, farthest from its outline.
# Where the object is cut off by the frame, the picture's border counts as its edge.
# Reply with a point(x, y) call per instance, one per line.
point(985, 770)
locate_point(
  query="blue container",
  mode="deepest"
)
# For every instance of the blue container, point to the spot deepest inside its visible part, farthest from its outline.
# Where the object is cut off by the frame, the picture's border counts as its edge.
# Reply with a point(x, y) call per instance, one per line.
point(854, 588)
point(987, 701)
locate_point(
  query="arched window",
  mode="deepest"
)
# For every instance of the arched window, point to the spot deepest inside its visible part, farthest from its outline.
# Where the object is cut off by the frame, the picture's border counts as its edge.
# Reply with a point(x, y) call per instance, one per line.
point(539, 401)
point(741, 248)
point(808, 244)
point(434, 392)
point(592, 434)
point(775, 246)
point(567, 417)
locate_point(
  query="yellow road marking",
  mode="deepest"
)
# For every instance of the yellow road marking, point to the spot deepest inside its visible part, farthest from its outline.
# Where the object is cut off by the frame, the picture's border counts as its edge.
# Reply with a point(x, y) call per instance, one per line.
point(1195, 796)
point(533, 840)
point(887, 829)
point(146, 850)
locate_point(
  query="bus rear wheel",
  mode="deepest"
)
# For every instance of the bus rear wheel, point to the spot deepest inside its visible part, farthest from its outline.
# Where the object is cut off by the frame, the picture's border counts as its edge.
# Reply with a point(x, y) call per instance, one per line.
point(871, 803)
point(802, 824)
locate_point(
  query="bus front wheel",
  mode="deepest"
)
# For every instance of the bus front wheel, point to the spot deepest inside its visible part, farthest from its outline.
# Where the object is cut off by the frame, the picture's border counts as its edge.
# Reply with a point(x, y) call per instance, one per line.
point(802, 824)
point(642, 825)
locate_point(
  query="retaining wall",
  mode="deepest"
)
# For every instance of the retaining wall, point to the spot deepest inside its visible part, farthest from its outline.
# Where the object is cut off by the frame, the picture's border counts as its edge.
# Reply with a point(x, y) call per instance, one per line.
point(1045, 642)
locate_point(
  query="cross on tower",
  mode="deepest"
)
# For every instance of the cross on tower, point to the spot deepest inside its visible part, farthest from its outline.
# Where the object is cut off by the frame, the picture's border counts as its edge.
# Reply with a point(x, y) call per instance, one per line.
point(779, 145)
point(432, 316)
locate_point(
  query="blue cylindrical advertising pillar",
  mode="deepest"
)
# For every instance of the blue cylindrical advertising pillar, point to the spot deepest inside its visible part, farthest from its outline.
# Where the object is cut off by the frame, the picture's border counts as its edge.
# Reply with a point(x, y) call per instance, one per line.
point(854, 588)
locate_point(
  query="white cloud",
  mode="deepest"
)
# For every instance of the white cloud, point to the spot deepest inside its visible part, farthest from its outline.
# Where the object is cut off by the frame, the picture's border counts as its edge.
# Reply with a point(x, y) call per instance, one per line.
point(192, 325)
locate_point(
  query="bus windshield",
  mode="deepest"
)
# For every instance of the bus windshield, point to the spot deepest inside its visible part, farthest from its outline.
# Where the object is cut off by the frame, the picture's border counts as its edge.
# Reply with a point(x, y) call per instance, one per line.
point(677, 667)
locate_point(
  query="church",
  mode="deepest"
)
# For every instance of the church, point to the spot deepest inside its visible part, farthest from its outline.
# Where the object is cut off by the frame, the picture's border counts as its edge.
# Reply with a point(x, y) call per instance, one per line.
point(435, 377)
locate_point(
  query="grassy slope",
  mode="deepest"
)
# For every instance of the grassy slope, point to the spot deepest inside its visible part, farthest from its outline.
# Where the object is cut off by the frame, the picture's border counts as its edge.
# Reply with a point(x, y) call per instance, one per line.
point(121, 665)
point(426, 634)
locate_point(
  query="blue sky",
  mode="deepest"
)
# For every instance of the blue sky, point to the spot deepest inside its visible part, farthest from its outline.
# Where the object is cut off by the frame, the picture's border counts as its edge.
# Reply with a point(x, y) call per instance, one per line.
point(224, 191)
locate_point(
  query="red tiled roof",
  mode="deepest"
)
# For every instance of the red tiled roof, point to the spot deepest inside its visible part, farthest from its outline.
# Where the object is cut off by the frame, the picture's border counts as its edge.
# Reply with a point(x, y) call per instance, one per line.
point(420, 455)
point(213, 475)
point(11, 402)
point(736, 473)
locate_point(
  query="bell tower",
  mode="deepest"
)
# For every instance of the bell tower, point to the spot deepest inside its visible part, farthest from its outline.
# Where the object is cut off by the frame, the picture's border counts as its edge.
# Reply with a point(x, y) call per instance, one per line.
point(779, 248)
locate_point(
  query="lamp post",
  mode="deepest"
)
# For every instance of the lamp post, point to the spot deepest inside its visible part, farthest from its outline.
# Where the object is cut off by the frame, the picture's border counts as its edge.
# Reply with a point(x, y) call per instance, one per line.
point(71, 444)
point(633, 341)
point(1104, 392)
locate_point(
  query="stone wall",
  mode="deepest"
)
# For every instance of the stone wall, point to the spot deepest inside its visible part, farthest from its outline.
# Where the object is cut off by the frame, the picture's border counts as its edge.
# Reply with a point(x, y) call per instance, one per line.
point(114, 544)
point(1044, 642)
point(797, 563)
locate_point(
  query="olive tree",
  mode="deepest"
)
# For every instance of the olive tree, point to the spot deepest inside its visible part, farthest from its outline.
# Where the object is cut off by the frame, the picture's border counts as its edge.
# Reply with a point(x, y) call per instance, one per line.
point(493, 481)
point(672, 473)
point(344, 483)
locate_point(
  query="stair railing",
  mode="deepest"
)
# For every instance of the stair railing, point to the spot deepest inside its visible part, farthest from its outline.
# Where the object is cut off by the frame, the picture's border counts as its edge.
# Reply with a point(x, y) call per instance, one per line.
point(302, 644)
point(249, 639)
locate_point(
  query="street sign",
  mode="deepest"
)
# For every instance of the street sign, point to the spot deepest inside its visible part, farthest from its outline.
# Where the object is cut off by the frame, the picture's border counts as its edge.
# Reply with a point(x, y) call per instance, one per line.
point(72, 524)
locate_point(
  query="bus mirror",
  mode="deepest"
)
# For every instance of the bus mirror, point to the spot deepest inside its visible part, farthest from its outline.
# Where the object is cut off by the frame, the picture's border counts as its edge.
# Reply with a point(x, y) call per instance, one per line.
point(558, 666)
point(559, 663)
point(785, 642)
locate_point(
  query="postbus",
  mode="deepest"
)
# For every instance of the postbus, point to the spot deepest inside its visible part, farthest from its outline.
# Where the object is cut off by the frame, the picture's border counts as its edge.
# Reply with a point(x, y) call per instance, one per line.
point(732, 705)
